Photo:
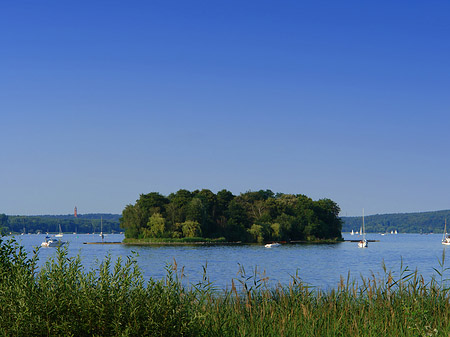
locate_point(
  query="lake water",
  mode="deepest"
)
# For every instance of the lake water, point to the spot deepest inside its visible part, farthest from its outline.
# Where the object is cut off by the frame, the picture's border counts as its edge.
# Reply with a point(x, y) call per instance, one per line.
point(319, 265)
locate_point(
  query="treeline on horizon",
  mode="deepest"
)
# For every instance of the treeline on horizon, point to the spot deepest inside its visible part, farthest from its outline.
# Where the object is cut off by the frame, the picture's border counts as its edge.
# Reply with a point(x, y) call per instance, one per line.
point(259, 216)
point(84, 223)
point(420, 222)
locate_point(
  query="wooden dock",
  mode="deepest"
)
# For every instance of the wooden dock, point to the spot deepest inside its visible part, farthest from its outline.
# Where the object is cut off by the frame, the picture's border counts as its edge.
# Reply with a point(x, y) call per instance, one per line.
point(360, 240)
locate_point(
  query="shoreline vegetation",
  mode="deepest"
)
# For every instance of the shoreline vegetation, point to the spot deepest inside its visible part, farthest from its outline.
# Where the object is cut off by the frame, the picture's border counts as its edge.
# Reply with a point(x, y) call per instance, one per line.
point(113, 299)
point(251, 217)
point(218, 241)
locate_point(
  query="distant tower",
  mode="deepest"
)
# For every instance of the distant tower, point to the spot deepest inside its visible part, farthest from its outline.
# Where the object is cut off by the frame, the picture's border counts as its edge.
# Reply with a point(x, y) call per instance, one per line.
point(75, 212)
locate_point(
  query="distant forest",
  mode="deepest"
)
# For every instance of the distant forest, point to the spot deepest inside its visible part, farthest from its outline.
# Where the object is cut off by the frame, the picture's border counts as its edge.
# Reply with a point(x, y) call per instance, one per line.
point(84, 223)
point(423, 222)
point(249, 217)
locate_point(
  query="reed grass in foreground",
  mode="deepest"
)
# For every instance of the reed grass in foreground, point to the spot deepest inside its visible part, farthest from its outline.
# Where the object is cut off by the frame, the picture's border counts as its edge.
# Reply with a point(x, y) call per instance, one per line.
point(61, 299)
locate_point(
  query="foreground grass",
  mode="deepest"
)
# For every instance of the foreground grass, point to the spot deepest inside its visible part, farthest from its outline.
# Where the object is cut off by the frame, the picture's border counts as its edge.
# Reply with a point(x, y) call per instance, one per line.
point(61, 299)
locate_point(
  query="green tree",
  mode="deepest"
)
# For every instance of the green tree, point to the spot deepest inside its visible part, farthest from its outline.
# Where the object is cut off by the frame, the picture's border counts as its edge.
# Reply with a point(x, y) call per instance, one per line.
point(177, 206)
point(195, 210)
point(3, 223)
point(131, 221)
point(256, 233)
point(327, 212)
point(156, 226)
point(286, 228)
point(191, 229)
point(209, 212)
point(224, 198)
point(153, 203)
point(237, 222)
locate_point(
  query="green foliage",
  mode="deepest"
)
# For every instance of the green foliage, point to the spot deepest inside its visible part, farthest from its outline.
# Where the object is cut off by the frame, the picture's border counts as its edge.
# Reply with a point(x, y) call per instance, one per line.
point(156, 226)
point(250, 217)
point(175, 241)
point(256, 233)
point(191, 229)
point(62, 299)
point(3, 223)
point(112, 300)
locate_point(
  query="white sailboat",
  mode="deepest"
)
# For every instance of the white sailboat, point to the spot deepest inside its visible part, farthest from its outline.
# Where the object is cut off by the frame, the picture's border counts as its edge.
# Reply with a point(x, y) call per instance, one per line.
point(60, 234)
point(445, 237)
point(101, 229)
point(363, 243)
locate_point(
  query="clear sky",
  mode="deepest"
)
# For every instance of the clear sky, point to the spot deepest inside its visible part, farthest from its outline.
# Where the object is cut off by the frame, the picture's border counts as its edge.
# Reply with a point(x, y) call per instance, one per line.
point(101, 101)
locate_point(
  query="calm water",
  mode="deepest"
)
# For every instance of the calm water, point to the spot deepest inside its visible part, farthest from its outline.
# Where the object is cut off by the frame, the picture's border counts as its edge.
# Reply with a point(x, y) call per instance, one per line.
point(319, 265)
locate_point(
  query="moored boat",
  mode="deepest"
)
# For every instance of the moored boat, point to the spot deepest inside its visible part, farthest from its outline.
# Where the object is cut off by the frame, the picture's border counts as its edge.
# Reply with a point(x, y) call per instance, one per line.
point(60, 234)
point(52, 242)
point(363, 243)
point(271, 245)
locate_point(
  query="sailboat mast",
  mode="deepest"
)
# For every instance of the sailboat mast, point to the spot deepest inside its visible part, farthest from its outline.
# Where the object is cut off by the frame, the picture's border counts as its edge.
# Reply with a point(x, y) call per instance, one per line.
point(364, 230)
point(445, 230)
point(101, 228)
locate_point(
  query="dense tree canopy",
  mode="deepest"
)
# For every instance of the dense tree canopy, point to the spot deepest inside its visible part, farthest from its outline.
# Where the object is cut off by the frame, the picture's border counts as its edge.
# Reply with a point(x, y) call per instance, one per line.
point(249, 217)
point(3, 223)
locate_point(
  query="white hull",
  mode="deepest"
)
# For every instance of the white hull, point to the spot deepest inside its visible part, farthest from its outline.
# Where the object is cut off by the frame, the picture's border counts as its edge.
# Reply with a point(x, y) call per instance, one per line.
point(271, 245)
point(52, 243)
point(362, 244)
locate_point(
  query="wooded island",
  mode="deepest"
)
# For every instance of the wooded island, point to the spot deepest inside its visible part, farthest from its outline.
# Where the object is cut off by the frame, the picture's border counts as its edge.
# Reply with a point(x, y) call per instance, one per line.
point(260, 216)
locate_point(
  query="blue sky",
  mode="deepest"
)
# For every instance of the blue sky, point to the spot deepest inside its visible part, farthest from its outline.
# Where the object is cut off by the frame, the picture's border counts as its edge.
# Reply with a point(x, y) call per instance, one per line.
point(101, 101)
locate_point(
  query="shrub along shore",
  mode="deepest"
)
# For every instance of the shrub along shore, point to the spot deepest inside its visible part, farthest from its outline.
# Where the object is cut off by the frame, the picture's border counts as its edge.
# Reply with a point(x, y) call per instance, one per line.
point(62, 299)
point(208, 241)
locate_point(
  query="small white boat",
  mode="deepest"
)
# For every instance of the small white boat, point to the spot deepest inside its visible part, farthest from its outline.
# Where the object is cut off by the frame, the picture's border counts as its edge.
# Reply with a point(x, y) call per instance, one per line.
point(352, 233)
point(271, 245)
point(362, 244)
point(51, 242)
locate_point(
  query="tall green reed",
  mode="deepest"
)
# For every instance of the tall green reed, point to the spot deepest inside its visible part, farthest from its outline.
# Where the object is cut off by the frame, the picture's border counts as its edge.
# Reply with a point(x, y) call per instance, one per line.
point(113, 299)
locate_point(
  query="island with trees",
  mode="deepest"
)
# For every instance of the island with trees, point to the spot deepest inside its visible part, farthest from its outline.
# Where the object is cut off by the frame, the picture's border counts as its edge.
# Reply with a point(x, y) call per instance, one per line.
point(251, 217)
